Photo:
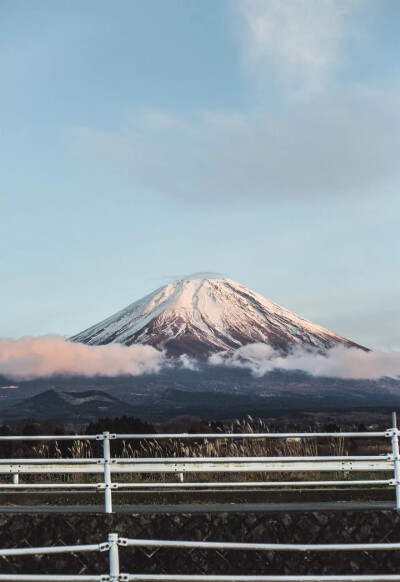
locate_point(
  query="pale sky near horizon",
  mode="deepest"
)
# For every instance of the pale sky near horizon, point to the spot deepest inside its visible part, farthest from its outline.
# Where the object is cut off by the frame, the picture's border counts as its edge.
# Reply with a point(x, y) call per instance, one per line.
point(145, 140)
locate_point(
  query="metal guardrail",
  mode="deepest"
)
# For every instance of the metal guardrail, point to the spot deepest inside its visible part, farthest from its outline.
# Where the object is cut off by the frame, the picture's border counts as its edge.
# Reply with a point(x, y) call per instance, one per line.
point(114, 542)
point(108, 466)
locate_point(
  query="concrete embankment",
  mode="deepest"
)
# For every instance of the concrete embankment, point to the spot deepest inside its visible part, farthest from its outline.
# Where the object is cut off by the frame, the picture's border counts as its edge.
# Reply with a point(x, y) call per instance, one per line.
point(339, 524)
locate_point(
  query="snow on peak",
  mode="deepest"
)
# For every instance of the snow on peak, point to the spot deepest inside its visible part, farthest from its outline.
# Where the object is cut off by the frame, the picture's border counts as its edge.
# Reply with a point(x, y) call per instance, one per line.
point(202, 315)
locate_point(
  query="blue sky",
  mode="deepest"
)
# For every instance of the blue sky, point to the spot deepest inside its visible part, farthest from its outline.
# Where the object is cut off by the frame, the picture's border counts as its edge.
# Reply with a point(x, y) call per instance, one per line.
point(143, 141)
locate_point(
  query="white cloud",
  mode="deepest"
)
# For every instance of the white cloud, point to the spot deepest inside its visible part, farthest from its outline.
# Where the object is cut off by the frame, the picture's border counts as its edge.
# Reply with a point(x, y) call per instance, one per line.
point(47, 356)
point(341, 146)
point(40, 357)
point(300, 40)
point(339, 362)
point(189, 363)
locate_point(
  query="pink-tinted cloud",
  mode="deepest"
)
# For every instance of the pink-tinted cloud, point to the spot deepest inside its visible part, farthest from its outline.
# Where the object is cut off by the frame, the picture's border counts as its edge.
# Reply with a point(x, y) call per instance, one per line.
point(45, 356)
point(339, 362)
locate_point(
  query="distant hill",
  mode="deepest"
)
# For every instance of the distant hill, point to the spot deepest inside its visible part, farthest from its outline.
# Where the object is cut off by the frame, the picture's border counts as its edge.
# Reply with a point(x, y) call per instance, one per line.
point(212, 394)
point(68, 406)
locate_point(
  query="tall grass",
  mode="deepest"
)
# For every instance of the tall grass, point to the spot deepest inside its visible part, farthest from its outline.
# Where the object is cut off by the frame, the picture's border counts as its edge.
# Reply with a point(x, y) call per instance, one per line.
point(199, 448)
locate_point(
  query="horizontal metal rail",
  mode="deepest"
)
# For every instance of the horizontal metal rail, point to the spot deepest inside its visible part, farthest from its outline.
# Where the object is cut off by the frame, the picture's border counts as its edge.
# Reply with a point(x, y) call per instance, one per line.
point(48, 487)
point(239, 484)
point(255, 435)
point(257, 547)
point(255, 578)
point(178, 466)
point(64, 437)
point(55, 550)
point(56, 577)
point(195, 578)
point(44, 461)
point(184, 435)
point(4, 463)
point(114, 542)
point(139, 460)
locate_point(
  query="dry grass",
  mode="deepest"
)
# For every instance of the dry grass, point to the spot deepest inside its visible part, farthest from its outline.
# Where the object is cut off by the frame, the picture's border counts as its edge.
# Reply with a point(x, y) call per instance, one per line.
point(210, 448)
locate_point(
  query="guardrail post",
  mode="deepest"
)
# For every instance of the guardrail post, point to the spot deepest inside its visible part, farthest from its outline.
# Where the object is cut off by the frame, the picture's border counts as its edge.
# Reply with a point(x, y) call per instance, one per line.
point(114, 557)
point(180, 477)
point(107, 473)
point(396, 460)
point(15, 478)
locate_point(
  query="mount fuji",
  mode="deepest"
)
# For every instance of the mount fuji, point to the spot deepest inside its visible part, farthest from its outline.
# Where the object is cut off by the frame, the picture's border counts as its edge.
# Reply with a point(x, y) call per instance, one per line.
point(199, 317)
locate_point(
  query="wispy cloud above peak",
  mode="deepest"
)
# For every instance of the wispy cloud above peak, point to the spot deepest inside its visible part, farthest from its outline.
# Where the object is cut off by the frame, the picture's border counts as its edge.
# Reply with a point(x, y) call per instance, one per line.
point(154, 119)
point(300, 41)
point(195, 276)
point(338, 146)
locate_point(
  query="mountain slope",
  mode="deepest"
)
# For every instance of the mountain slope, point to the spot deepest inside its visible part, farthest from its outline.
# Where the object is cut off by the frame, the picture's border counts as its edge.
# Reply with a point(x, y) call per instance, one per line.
point(203, 316)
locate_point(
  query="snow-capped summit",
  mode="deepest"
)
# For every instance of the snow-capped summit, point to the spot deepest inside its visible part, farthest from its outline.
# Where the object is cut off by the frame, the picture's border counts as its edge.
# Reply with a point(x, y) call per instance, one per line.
point(199, 317)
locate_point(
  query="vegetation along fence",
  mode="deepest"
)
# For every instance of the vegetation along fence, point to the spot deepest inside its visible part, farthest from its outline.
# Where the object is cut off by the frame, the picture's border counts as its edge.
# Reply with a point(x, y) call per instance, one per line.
point(147, 465)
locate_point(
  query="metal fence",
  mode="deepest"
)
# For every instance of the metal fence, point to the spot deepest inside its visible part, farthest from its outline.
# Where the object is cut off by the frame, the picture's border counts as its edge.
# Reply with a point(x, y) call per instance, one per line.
point(108, 466)
point(115, 542)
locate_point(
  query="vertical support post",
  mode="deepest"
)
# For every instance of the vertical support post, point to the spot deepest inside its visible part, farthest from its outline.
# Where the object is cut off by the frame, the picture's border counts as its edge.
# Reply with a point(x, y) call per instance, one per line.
point(180, 477)
point(15, 478)
point(107, 473)
point(114, 557)
point(396, 460)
